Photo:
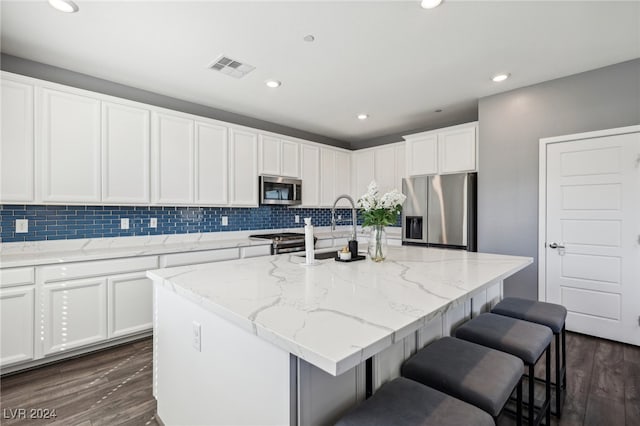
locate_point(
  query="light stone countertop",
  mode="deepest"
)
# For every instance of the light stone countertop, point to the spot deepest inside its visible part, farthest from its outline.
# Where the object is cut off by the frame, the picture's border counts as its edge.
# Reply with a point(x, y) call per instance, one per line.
point(78, 250)
point(336, 315)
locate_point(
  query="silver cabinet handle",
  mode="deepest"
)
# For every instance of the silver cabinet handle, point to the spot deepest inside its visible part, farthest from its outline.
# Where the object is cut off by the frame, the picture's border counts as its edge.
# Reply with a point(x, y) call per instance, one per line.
point(555, 246)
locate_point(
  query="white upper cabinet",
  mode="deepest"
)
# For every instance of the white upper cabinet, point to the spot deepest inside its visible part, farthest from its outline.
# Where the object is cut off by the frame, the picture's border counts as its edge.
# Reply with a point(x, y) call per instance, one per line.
point(422, 155)
point(270, 156)
point(385, 168)
point(70, 138)
point(173, 154)
point(16, 142)
point(278, 157)
point(363, 171)
point(448, 150)
point(212, 164)
point(310, 174)
point(125, 154)
point(401, 166)
point(384, 164)
point(457, 150)
point(290, 159)
point(335, 176)
point(244, 168)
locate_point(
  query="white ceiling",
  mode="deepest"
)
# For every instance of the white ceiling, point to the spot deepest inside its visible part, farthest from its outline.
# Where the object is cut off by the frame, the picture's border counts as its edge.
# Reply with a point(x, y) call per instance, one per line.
point(390, 59)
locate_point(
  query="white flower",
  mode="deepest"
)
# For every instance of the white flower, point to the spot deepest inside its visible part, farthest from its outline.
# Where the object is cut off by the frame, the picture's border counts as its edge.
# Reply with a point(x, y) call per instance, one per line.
point(389, 201)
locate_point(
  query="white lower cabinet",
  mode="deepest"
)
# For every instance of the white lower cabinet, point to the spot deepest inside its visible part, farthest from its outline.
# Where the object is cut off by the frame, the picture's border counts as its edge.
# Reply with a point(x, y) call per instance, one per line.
point(130, 304)
point(74, 314)
point(82, 304)
point(16, 324)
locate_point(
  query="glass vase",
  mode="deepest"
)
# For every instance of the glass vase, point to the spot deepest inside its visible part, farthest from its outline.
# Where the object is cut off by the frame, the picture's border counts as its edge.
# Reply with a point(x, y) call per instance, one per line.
point(377, 243)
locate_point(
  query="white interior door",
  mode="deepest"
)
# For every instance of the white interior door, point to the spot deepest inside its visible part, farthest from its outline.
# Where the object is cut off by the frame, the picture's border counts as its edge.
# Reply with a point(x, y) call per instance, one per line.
point(593, 234)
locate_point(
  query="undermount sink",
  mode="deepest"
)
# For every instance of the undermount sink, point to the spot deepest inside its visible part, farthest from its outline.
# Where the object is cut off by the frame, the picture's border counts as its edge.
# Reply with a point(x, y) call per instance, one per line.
point(326, 255)
point(322, 255)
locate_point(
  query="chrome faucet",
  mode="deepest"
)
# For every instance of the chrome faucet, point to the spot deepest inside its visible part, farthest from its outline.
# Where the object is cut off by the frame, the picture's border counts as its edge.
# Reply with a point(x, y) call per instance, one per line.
point(354, 214)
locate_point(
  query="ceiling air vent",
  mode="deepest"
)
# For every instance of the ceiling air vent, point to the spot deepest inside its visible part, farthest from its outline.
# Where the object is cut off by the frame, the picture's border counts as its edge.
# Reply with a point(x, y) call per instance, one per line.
point(231, 67)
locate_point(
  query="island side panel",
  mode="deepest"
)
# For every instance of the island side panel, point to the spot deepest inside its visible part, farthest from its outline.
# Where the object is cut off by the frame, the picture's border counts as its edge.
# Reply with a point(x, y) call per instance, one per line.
point(236, 377)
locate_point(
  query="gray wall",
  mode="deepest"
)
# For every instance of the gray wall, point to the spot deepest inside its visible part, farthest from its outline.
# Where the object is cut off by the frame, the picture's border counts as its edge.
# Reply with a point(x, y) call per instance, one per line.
point(511, 125)
point(42, 71)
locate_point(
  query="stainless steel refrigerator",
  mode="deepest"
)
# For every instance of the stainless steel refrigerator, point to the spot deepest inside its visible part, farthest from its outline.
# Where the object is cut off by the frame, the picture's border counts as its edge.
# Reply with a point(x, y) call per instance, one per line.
point(440, 211)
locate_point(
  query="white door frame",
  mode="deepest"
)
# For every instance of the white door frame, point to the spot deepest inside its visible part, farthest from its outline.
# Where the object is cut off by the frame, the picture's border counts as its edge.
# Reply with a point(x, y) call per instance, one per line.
point(542, 194)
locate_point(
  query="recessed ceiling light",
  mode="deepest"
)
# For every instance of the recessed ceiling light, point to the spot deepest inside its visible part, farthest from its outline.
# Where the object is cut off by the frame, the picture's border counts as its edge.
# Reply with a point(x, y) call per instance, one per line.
point(309, 38)
point(430, 4)
point(272, 83)
point(66, 6)
point(363, 116)
point(500, 77)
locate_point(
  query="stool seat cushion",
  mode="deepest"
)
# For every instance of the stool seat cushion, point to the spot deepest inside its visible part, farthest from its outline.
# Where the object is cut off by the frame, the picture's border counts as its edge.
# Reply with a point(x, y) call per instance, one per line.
point(523, 339)
point(549, 314)
point(475, 374)
point(403, 402)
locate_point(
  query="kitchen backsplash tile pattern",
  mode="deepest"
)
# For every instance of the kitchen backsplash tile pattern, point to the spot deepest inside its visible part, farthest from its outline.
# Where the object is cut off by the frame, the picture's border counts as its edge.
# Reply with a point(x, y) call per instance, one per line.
point(69, 222)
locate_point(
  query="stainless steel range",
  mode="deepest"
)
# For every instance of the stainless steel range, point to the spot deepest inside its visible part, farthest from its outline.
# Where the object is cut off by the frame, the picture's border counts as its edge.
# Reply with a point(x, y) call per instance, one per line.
point(284, 242)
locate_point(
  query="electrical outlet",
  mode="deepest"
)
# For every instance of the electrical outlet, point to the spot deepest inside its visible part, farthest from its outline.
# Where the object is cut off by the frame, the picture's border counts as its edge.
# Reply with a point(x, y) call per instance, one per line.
point(153, 222)
point(297, 218)
point(124, 223)
point(22, 226)
point(339, 217)
point(196, 337)
point(224, 220)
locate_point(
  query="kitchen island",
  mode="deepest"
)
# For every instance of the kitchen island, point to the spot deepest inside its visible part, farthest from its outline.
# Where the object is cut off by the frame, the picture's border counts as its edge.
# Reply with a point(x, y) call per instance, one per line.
point(268, 341)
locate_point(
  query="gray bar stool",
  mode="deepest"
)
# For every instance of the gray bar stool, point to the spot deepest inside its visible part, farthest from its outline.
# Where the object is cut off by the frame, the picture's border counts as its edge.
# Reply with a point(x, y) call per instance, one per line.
point(548, 314)
point(475, 374)
point(523, 339)
point(403, 402)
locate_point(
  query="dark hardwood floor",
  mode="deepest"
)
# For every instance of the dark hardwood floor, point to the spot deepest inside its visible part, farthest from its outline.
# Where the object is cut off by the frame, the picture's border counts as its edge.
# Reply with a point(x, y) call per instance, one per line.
point(113, 387)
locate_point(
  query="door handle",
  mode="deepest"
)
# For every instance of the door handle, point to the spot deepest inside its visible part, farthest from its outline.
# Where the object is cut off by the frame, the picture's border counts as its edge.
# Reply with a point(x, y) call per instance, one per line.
point(555, 246)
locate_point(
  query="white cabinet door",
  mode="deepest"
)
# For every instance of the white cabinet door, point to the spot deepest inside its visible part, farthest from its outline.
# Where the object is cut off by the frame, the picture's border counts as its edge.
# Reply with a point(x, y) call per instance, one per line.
point(290, 164)
point(212, 164)
point(401, 167)
point(16, 143)
point(16, 325)
point(422, 155)
point(310, 174)
point(363, 171)
point(457, 150)
point(125, 154)
point(74, 314)
point(385, 168)
point(173, 154)
point(269, 155)
point(130, 304)
point(327, 176)
point(343, 177)
point(244, 168)
point(70, 147)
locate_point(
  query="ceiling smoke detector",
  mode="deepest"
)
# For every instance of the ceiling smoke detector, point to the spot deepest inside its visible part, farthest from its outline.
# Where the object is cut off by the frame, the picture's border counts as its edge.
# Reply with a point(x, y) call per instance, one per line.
point(231, 67)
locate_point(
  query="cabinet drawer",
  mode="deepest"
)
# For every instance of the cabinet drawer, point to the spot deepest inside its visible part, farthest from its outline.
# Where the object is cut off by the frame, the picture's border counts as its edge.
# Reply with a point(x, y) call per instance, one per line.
point(97, 268)
point(255, 251)
point(180, 259)
point(16, 276)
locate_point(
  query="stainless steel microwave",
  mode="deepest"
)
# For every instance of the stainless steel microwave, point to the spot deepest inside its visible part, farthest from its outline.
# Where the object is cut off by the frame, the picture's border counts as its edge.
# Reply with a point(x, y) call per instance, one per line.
point(280, 190)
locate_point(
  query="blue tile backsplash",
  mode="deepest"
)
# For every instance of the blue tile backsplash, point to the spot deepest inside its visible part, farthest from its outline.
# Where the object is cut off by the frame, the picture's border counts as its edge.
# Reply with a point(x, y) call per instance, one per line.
point(68, 222)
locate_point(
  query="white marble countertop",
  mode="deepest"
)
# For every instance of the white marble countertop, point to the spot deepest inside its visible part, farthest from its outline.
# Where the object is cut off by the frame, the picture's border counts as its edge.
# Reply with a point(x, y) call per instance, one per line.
point(14, 255)
point(336, 315)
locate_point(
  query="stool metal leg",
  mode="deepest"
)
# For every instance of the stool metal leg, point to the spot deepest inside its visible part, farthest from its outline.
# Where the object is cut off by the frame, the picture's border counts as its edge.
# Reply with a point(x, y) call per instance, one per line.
point(519, 403)
point(558, 377)
point(564, 358)
point(547, 405)
point(531, 394)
